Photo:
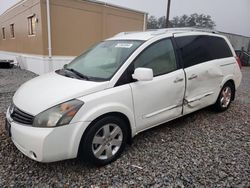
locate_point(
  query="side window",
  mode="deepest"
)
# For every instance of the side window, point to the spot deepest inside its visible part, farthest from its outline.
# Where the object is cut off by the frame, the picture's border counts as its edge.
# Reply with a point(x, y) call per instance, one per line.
point(193, 50)
point(218, 48)
point(199, 49)
point(160, 57)
point(12, 31)
point(3, 33)
point(32, 25)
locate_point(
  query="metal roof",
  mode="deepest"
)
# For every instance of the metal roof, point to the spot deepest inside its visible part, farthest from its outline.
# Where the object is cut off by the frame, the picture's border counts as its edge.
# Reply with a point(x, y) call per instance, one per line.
point(14, 6)
point(91, 1)
point(115, 6)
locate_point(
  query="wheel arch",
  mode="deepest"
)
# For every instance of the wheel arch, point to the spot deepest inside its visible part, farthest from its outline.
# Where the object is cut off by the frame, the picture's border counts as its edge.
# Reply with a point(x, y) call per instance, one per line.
point(231, 81)
point(114, 114)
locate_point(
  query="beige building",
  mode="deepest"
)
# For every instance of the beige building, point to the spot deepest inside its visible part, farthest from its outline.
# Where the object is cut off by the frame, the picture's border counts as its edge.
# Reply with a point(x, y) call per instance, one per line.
point(43, 35)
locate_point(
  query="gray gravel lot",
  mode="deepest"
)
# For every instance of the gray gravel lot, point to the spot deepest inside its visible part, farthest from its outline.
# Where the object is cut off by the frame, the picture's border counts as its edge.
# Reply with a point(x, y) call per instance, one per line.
point(10, 80)
point(204, 149)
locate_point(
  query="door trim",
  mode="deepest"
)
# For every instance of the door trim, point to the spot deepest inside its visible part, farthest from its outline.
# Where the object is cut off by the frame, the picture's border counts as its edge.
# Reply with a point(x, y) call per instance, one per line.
point(161, 111)
point(223, 65)
point(199, 97)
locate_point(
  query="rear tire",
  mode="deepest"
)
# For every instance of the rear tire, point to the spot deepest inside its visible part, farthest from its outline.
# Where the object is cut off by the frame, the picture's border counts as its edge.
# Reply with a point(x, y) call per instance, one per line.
point(225, 97)
point(104, 141)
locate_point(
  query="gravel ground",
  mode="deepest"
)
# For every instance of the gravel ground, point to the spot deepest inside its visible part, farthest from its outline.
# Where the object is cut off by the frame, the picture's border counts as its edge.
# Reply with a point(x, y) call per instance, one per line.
point(10, 80)
point(204, 149)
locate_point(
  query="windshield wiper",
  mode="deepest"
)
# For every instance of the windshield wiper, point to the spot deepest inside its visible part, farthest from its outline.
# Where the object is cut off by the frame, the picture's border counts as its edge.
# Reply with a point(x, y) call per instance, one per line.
point(77, 73)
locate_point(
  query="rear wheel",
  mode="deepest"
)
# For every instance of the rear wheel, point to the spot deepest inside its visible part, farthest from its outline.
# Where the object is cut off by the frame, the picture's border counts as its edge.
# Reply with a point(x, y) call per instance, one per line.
point(104, 141)
point(225, 97)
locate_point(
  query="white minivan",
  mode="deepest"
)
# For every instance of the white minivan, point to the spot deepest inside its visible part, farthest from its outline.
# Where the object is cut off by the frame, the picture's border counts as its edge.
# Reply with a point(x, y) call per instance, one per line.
point(122, 86)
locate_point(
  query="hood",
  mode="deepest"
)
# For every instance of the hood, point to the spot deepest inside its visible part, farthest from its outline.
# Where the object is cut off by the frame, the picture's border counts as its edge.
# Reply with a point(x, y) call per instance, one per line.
point(51, 89)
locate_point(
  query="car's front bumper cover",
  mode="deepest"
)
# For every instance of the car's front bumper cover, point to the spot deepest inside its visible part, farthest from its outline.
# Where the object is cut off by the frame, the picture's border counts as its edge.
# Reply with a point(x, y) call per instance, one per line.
point(47, 144)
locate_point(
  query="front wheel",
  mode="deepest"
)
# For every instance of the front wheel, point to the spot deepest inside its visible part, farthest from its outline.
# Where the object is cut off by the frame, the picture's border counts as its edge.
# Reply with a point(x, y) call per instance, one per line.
point(104, 141)
point(225, 97)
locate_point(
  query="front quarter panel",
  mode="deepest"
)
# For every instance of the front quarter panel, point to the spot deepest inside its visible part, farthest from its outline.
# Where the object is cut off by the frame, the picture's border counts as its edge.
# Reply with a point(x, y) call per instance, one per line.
point(117, 99)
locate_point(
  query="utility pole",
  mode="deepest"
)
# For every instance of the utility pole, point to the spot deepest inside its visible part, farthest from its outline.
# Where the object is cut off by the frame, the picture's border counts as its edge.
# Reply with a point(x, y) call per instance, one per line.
point(168, 13)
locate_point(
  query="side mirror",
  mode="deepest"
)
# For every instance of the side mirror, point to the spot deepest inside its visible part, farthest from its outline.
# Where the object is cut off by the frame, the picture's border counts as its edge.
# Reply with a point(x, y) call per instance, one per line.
point(143, 74)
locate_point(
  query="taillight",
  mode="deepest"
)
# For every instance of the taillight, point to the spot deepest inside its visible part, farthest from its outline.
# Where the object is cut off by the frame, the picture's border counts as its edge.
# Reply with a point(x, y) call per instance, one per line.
point(238, 61)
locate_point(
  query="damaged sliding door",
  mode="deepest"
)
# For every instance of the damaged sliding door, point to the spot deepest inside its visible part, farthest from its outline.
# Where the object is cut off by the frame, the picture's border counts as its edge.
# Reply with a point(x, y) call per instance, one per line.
point(202, 70)
point(202, 87)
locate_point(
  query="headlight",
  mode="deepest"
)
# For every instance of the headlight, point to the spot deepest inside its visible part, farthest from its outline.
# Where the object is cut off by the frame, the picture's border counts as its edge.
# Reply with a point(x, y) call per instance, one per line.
point(58, 115)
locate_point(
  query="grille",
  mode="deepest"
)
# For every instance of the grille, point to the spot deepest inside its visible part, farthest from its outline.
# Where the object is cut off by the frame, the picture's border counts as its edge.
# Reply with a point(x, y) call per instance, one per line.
point(21, 117)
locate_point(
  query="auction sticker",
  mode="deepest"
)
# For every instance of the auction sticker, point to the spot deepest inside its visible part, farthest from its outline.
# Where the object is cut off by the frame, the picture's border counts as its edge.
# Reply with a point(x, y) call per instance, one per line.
point(124, 45)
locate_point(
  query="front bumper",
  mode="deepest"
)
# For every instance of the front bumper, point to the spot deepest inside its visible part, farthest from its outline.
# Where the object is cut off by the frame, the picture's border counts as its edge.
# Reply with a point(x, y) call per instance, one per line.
point(47, 144)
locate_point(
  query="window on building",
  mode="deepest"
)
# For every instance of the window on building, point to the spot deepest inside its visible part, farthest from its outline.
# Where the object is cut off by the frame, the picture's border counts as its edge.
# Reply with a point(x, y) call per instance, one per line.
point(3, 33)
point(32, 25)
point(12, 31)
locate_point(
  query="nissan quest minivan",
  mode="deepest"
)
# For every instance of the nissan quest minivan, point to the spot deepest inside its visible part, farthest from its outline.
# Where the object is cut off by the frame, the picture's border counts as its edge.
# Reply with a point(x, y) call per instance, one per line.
point(122, 86)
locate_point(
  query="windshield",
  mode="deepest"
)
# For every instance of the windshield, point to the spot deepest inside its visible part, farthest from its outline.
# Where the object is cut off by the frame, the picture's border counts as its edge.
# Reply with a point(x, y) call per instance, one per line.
point(102, 61)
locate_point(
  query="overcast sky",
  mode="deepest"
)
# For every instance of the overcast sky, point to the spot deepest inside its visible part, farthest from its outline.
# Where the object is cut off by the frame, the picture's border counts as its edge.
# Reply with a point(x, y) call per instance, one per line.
point(229, 15)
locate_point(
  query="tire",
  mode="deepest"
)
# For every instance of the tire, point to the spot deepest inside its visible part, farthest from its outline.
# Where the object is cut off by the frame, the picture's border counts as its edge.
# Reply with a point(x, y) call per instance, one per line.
point(225, 97)
point(104, 141)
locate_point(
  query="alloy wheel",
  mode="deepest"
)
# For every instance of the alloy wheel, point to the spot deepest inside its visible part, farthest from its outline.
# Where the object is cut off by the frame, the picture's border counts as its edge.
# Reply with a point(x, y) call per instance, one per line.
point(225, 97)
point(107, 141)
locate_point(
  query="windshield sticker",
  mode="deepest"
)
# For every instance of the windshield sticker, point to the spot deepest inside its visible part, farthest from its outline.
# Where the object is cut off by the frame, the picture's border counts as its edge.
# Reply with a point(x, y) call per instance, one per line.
point(124, 45)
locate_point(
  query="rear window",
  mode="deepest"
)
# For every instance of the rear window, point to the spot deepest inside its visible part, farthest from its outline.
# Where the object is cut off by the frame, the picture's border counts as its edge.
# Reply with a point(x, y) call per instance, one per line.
point(199, 49)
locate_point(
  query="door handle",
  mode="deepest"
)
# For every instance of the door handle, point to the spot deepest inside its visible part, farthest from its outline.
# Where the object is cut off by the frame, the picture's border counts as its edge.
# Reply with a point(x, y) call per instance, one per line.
point(193, 76)
point(178, 80)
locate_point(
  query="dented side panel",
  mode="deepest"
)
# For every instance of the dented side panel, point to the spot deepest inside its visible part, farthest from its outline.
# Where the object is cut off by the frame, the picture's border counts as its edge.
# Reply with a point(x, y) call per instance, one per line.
point(204, 82)
point(159, 100)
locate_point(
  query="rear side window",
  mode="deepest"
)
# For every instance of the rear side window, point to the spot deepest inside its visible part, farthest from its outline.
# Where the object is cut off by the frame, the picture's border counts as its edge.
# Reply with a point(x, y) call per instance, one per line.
point(199, 49)
point(160, 57)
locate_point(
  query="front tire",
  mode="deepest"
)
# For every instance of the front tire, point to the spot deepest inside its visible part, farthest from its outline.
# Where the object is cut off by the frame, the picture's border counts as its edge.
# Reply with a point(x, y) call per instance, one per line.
point(225, 97)
point(104, 141)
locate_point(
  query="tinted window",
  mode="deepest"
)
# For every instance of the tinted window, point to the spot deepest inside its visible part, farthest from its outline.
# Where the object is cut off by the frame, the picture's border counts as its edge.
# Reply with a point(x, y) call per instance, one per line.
point(199, 49)
point(160, 57)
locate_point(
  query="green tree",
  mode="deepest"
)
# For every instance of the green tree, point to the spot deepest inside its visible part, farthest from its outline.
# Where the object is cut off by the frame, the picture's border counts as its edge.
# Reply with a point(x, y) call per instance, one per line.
point(161, 22)
point(152, 23)
point(194, 20)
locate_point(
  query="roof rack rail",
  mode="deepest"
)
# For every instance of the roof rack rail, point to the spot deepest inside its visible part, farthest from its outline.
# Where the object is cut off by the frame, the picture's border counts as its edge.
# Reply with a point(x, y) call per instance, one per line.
point(184, 29)
point(165, 30)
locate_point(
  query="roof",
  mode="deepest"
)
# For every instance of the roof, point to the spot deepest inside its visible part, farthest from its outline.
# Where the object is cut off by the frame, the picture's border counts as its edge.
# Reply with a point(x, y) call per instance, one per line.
point(14, 6)
point(234, 34)
point(115, 6)
point(91, 1)
point(147, 35)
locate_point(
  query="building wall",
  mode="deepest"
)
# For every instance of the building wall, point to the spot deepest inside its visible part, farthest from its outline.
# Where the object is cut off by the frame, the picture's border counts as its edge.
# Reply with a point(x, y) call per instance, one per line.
point(19, 17)
point(77, 25)
point(239, 41)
